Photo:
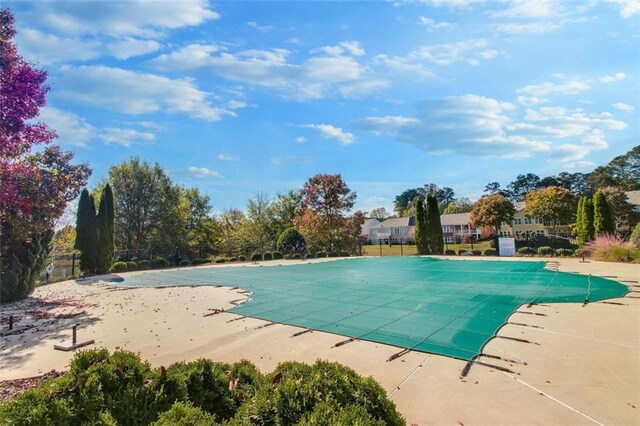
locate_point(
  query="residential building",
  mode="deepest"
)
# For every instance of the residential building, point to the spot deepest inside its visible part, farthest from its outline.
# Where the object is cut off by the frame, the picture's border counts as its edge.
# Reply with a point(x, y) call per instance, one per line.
point(365, 231)
point(456, 228)
point(633, 197)
point(525, 227)
point(393, 231)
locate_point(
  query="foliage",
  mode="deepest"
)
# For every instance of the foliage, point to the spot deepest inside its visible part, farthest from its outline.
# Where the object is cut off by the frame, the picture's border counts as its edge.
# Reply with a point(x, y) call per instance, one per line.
point(144, 264)
point(121, 389)
point(87, 232)
point(563, 252)
point(624, 214)
point(119, 267)
point(184, 262)
point(333, 254)
point(291, 241)
point(185, 414)
point(159, 263)
point(309, 256)
point(321, 254)
point(490, 252)
point(105, 246)
point(420, 230)
point(490, 211)
point(256, 257)
point(584, 220)
point(404, 201)
point(267, 255)
point(623, 171)
point(609, 248)
point(345, 254)
point(132, 265)
point(221, 260)
point(277, 255)
point(379, 213)
point(525, 251)
point(554, 205)
point(462, 205)
point(450, 252)
point(476, 252)
point(546, 251)
point(602, 215)
point(433, 226)
point(635, 236)
point(522, 185)
point(242, 258)
point(22, 265)
point(63, 240)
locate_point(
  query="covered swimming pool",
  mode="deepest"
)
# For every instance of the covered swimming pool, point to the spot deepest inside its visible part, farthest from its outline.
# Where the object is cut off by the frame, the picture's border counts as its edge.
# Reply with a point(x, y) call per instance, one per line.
point(446, 307)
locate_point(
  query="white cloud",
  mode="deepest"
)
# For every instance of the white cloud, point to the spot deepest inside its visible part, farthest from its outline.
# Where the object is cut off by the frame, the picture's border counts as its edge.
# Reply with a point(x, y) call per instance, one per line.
point(432, 24)
point(546, 89)
point(481, 126)
point(628, 8)
point(526, 28)
point(450, 53)
point(261, 28)
point(624, 107)
point(135, 93)
point(529, 9)
point(440, 3)
point(225, 157)
point(70, 128)
point(125, 137)
point(531, 100)
point(129, 47)
point(331, 132)
point(204, 172)
point(49, 49)
point(236, 104)
point(619, 76)
point(580, 165)
point(301, 139)
point(145, 18)
point(279, 161)
point(314, 78)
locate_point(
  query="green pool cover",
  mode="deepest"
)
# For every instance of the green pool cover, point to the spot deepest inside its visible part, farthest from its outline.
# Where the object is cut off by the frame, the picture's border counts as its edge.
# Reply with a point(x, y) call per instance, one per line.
point(447, 307)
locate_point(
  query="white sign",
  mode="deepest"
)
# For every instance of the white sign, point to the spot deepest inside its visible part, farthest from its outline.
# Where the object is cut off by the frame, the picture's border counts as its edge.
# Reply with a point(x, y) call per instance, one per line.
point(507, 246)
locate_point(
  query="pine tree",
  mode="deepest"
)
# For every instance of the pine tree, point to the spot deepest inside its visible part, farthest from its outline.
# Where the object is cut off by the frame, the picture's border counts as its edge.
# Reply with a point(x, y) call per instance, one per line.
point(87, 232)
point(420, 229)
point(105, 246)
point(581, 222)
point(588, 208)
point(602, 217)
point(435, 240)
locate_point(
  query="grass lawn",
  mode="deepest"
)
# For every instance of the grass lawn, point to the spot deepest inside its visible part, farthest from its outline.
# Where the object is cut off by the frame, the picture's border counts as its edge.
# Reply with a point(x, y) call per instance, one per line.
point(406, 250)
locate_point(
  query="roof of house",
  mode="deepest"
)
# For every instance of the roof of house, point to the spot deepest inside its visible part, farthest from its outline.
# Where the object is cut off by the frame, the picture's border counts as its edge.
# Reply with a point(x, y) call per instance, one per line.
point(455, 219)
point(396, 222)
point(633, 197)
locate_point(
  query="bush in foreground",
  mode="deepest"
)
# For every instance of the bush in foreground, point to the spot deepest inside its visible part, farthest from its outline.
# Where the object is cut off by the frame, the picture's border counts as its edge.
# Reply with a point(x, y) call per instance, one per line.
point(490, 252)
point(635, 236)
point(545, 251)
point(267, 256)
point(119, 267)
point(526, 251)
point(609, 248)
point(256, 257)
point(106, 389)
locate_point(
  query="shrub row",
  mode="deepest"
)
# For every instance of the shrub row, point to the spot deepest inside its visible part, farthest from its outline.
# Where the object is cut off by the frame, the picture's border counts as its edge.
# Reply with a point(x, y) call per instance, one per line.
point(546, 251)
point(137, 266)
point(257, 256)
point(121, 389)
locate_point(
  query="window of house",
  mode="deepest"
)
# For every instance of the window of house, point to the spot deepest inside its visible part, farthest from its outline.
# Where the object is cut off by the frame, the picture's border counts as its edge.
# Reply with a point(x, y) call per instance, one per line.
point(538, 221)
point(527, 221)
point(517, 221)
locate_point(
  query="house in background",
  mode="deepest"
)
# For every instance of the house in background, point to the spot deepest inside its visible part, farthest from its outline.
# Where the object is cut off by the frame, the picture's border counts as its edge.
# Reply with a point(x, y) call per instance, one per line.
point(456, 229)
point(365, 231)
point(525, 227)
point(633, 197)
point(393, 231)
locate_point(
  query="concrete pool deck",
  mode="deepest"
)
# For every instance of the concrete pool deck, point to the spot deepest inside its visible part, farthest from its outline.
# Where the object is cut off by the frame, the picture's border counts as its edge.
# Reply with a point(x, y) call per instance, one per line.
point(582, 365)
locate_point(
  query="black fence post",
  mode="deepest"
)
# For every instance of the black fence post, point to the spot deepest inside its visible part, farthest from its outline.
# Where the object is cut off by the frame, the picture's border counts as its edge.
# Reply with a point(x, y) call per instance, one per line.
point(73, 264)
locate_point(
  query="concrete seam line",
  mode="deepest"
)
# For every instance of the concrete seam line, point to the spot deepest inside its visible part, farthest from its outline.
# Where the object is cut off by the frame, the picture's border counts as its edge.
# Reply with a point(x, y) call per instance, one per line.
point(555, 399)
point(588, 338)
point(415, 370)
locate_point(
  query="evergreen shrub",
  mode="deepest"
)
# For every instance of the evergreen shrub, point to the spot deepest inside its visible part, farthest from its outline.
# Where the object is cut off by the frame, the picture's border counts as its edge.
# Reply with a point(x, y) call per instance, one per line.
point(119, 267)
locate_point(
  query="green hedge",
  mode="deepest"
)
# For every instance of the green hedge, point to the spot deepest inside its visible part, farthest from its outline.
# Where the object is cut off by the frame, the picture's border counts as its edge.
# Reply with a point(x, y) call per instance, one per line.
point(546, 251)
point(490, 252)
point(144, 264)
point(103, 389)
point(256, 257)
point(309, 256)
point(321, 254)
point(526, 251)
point(119, 267)
point(184, 262)
point(277, 255)
point(564, 252)
point(450, 252)
point(158, 263)
point(132, 266)
point(267, 256)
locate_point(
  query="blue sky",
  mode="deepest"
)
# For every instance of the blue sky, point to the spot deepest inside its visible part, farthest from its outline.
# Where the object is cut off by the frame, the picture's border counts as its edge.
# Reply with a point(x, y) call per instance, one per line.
point(240, 97)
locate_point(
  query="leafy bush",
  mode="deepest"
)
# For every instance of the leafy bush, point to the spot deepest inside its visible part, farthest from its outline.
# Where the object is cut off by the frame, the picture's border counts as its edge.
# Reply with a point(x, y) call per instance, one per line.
point(242, 258)
point(132, 266)
point(267, 256)
point(233, 259)
point(321, 254)
point(490, 252)
point(526, 251)
point(635, 236)
point(295, 256)
point(581, 252)
point(291, 241)
point(103, 389)
point(345, 254)
point(184, 262)
point(197, 261)
point(119, 267)
point(564, 252)
point(277, 255)
point(185, 414)
point(333, 254)
point(450, 252)
point(609, 248)
point(464, 253)
point(256, 257)
point(220, 260)
point(158, 262)
point(545, 251)
point(309, 256)
point(476, 252)
point(144, 264)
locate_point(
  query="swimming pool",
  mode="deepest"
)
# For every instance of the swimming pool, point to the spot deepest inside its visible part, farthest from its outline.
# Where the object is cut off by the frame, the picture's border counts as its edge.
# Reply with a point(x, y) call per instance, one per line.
point(447, 307)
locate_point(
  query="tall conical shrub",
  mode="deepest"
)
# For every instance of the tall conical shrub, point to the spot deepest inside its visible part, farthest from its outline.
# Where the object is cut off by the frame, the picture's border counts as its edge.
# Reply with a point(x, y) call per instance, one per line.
point(87, 232)
point(582, 234)
point(435, 240)
point(588, 219)
point(602, 216)
point(420, 234)
point(106, 246)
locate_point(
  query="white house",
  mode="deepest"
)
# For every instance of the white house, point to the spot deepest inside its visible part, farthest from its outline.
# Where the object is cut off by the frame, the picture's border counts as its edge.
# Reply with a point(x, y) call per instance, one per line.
point(394, 230)
point(365, 231)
